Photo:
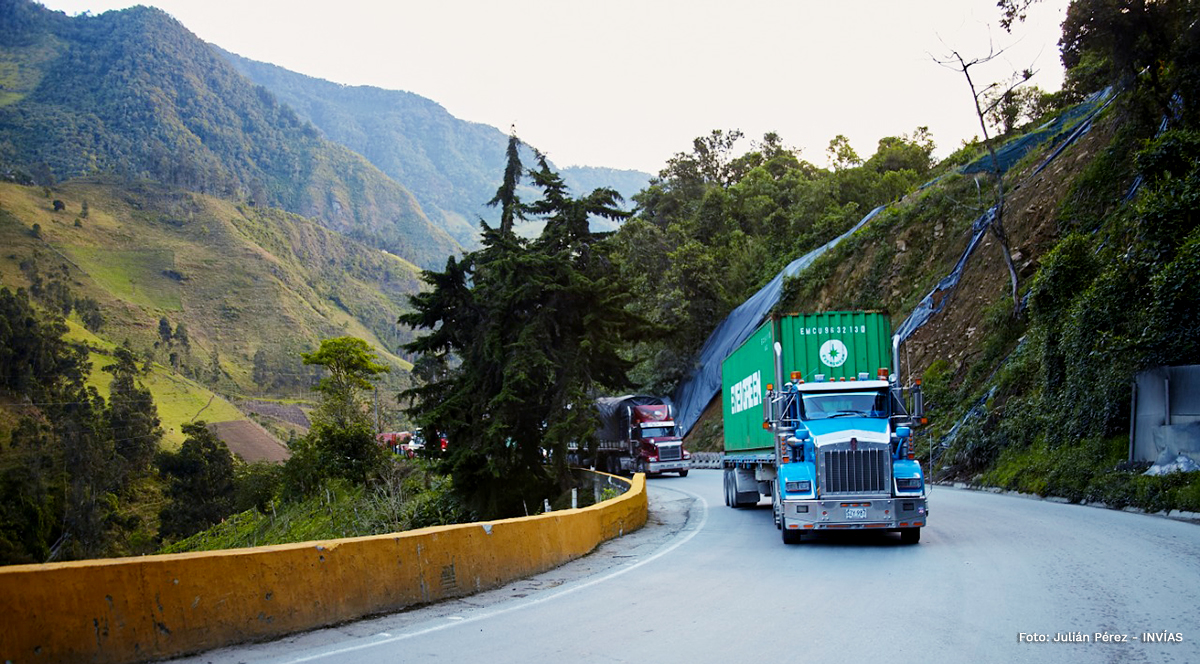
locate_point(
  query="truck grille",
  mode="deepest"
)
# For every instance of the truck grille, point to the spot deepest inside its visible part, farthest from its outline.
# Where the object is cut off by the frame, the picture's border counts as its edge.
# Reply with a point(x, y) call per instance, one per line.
point(858, 471)
point(670, 452)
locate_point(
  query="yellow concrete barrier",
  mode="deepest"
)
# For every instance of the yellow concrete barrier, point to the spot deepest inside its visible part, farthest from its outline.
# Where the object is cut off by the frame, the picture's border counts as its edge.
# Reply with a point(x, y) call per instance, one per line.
point(133, 609)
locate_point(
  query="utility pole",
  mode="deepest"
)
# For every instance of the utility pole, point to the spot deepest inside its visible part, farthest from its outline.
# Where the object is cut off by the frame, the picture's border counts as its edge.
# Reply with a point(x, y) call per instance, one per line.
point(377, 429)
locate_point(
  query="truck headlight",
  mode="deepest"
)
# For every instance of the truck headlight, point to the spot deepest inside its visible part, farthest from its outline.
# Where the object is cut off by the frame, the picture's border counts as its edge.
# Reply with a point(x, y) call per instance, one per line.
point(803, 486)
point(909, 483)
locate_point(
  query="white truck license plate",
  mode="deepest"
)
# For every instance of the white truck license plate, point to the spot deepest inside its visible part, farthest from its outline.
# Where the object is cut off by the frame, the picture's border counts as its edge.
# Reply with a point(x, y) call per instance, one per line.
point(856, 512)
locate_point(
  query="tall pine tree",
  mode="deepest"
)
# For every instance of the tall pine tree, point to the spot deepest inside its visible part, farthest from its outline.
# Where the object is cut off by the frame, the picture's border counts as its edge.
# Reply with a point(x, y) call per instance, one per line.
point(524, 332)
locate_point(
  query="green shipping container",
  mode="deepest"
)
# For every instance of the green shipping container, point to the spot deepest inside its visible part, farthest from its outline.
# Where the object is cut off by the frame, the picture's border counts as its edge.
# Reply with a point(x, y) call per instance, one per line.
point(838, 344)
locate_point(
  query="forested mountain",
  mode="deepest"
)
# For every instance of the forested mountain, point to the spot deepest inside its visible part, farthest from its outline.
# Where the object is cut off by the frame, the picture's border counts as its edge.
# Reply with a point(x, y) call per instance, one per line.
point(452, 166)
point(134, 94)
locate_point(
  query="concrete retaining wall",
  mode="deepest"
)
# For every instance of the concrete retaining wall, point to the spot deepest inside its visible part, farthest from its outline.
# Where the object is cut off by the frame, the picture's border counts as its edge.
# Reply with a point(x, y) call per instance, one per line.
point(134, 609)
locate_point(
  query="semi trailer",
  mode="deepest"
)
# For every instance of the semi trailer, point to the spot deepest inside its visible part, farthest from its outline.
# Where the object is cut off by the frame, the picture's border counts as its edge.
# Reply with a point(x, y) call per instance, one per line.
point(817, 419)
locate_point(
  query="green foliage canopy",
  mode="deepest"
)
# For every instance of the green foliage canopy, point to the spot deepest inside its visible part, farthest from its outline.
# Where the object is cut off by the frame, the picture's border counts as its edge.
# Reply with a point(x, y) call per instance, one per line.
point(201, 489)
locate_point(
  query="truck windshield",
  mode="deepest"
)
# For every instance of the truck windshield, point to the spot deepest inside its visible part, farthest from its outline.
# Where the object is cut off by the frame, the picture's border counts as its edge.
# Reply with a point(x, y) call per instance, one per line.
point(845, 404)
point(657, 432)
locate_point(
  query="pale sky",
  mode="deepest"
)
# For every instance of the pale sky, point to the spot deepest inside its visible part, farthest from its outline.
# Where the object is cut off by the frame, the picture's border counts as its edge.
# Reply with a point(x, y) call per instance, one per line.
point(629, 83)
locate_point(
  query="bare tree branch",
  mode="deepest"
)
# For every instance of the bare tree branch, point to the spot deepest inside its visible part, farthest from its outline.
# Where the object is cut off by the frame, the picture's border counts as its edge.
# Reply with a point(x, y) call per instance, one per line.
point(957, 62)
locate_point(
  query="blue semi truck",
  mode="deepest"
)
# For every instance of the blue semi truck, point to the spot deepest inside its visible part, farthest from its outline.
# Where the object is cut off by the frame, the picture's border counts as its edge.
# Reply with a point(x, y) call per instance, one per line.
point(817, 419)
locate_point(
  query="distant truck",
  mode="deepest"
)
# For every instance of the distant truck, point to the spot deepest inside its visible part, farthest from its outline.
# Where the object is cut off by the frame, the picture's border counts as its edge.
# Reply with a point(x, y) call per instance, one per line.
point(399, 442)
point(815, 419)
point(637, 434)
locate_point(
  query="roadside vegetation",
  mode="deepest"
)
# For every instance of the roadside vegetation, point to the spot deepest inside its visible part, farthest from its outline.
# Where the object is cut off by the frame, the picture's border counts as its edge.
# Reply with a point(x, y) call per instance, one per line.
point(132, 312)
point(1045, 407)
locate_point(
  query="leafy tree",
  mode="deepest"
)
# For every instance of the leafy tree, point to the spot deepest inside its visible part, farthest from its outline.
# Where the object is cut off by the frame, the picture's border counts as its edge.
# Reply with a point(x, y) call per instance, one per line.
point(201, 483)
point(841, 155)
point(1013, 11)
point(89, 313)
point(537, 326)
point(341, 441)
point(261, 371)
point(711, 162)
point(900, 153)
point(181, 335)
point(1014, 106)
point(132, 416)
point(31, 487)
point(256, 485)
point(1132, 37)
point(164, 330)
point(34, 359)
point(350, 364)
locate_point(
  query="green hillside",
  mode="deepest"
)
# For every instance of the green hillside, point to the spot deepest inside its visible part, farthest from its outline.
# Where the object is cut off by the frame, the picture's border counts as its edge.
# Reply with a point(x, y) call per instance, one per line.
point(251, 286)
point(179, 399)
point(134, 95)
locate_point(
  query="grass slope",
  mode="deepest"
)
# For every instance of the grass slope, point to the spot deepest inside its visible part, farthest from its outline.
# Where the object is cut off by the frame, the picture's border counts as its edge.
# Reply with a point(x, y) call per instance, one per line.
point(240, 279)
point(179, 400)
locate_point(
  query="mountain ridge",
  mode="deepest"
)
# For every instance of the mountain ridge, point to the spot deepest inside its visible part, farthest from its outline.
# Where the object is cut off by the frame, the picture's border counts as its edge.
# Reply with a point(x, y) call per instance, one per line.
point(453, 166)
point(133, 93)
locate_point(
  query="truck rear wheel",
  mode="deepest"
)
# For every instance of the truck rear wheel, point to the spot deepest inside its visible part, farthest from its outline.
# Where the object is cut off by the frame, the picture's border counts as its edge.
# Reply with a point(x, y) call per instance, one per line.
point(734, 498)
point(910, 535)
point(792, 536)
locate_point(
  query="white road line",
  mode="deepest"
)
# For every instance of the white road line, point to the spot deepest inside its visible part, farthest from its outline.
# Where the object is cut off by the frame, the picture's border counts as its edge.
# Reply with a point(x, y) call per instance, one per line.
point(533, 602)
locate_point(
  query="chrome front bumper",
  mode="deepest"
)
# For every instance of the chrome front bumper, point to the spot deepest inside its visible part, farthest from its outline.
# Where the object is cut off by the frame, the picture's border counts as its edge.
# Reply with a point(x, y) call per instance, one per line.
point(668, 466)
point(854, 513)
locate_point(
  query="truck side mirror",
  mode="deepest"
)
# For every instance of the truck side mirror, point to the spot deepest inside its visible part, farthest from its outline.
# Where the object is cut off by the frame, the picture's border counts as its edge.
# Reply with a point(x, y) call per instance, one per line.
point(903, 432)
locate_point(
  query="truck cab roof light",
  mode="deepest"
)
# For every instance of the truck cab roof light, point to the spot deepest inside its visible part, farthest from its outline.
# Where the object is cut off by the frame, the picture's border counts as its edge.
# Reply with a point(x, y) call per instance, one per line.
point(796, 375)
point(862, 375)
point(883, 373)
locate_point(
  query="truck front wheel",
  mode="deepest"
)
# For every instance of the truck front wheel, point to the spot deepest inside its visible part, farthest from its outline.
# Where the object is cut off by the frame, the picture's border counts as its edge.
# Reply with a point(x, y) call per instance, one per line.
point(683, 473)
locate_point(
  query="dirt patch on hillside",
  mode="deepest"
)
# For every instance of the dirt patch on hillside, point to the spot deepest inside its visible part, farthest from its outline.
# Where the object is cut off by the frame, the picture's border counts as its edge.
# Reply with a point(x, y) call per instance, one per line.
point(250, 441)
point(283, 412)
point(706, 434)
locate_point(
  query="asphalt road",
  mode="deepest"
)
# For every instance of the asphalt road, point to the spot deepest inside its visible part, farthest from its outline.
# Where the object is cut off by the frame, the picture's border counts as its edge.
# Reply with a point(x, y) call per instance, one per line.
point(706, 583)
